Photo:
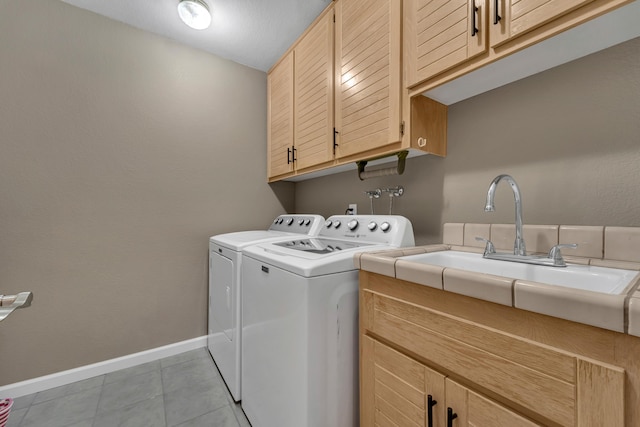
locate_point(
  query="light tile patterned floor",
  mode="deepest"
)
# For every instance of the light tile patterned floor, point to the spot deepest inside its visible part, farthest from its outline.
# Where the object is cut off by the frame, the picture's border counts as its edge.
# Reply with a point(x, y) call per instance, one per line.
point(185, 390)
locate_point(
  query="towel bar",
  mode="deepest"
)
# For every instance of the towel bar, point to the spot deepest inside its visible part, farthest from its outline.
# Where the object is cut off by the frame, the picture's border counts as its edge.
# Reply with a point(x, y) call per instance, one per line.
point(8, 303)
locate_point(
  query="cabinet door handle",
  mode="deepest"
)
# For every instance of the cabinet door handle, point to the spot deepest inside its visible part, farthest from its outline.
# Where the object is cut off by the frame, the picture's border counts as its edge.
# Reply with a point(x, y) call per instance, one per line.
point(474, 30)
point(291, 155)
point(450, 417)
point(430, 404)
point(496, 15)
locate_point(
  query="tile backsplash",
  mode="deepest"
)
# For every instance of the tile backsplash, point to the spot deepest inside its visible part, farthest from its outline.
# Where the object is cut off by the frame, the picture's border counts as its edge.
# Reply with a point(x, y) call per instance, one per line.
point(615, 244)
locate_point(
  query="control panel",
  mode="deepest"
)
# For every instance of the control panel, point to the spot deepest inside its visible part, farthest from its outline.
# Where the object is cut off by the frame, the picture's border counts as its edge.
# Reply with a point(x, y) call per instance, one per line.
point(388, 229)
point(304, 224)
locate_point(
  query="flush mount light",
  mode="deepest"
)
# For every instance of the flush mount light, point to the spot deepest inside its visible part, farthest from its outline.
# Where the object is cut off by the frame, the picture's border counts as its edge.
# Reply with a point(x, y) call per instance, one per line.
point(194, 13)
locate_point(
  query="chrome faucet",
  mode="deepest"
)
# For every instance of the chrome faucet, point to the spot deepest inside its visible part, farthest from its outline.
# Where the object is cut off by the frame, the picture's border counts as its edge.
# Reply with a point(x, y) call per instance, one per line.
point(553, 259)
point(518, 246)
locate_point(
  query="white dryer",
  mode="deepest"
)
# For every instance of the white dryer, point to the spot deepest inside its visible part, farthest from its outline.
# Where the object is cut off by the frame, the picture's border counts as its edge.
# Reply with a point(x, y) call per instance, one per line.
point(300, 322)
point(225, 289)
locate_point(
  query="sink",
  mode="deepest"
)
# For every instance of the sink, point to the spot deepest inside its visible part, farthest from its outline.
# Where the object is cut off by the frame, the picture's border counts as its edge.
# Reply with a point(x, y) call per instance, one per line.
point(611, 281)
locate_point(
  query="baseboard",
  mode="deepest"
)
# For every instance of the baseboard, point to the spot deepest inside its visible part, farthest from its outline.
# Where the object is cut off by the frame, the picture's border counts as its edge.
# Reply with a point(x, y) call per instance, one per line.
point(89, 371)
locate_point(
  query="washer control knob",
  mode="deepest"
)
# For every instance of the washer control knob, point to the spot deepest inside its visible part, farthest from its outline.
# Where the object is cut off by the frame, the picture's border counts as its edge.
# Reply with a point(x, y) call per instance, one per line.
point(307, 221)
point(289, 221)
point(353, 224)
point(372, 226)
point(385, 226)
point(300, 221)
point(337, 223)
point(328, 223)
point(275, 221)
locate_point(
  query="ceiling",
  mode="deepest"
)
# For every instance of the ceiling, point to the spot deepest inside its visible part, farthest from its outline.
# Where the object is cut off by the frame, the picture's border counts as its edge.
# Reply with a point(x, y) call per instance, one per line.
point(251, 32)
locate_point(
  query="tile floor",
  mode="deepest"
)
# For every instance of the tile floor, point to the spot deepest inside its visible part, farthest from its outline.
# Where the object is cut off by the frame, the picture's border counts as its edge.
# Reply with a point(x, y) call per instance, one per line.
point(185, 390)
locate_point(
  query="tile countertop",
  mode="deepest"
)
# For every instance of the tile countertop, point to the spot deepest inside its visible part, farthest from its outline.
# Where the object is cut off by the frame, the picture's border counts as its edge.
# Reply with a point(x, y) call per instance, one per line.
point(620, 313)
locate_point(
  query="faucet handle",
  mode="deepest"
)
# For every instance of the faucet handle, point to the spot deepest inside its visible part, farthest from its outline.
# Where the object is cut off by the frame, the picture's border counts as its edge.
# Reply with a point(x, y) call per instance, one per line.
point(489, 248)
point(556, 255)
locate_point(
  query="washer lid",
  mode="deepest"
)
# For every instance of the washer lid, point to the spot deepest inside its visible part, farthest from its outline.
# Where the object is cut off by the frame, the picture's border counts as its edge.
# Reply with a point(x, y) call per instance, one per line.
point(321, 246)
point(238, 240)
point(308, 263)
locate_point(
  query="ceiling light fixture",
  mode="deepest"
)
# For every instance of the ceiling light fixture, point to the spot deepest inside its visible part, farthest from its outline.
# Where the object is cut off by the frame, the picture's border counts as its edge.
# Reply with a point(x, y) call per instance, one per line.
point(194, 13)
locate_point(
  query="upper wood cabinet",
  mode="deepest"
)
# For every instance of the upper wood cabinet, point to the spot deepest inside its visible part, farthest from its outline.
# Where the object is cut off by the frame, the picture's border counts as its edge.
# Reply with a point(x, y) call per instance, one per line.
point(442, 34)
point(300, 103)
point(337, 96)
point(446, 39)
point(313, 93)
point(368, 75)
point(512, 18)
point(280, 117)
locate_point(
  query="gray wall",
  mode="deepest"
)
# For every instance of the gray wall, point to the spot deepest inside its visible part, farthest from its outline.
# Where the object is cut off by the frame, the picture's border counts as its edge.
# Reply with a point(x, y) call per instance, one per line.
point(120, 153)
point(570, 137)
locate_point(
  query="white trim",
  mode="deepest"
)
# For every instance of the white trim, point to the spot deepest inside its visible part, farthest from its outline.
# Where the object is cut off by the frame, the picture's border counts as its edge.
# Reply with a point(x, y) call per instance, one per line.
point(58, 379)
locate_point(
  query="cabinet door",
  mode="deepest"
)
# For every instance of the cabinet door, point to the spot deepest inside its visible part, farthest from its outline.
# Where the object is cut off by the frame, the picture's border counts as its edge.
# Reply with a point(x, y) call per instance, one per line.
point(314, 95)
point(280, 117)
point(467, 408)
point(368, 75)
point(395, 389)
point(441, 34)
point(511, 18)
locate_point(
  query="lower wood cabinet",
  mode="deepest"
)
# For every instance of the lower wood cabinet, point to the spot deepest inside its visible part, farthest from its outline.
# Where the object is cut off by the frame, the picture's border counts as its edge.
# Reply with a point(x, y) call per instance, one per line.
point(421, 365)
point(399, 391)
point(467, 408)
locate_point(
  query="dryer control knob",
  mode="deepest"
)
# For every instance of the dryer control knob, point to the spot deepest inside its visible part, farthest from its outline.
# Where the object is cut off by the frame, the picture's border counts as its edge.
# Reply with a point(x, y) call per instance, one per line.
point(353, 224)
point(372, 226)
point(290, 221)
point(328, 223)
point(385, 226)
point(307, 221)
point(337, 223)
point(301, 221)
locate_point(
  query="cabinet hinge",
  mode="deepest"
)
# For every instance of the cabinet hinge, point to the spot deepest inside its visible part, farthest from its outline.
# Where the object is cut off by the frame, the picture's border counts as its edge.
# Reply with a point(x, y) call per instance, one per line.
point(402, 127)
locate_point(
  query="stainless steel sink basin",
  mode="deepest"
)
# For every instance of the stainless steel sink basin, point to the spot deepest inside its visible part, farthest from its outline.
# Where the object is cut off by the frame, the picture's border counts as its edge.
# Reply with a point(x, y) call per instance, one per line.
point(611, 281)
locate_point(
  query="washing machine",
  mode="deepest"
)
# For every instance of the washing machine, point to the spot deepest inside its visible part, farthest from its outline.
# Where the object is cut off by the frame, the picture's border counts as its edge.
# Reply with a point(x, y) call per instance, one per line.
point(225, 289)
point(300, 322)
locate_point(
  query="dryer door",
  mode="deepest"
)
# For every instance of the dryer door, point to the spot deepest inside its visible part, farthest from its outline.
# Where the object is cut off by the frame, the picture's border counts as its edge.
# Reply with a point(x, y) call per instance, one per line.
point(221, 296)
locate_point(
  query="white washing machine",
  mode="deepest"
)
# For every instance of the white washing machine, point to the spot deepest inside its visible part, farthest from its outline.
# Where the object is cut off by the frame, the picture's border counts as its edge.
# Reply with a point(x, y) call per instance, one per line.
point(225, 289)
point(300, 322)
